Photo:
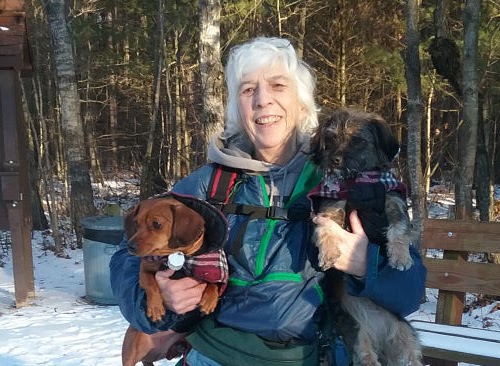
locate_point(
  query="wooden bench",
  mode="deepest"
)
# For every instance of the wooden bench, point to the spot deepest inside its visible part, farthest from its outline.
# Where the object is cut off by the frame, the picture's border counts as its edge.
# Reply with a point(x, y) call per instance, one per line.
point(454, 276)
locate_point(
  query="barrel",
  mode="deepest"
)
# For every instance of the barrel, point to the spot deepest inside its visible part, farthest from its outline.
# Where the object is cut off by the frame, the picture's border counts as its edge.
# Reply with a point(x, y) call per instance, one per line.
point(101, 236)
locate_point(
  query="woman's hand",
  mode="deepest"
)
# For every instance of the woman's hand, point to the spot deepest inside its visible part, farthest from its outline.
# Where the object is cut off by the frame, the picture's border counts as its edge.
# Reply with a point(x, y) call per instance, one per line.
point(353, 245)
point(180, 295)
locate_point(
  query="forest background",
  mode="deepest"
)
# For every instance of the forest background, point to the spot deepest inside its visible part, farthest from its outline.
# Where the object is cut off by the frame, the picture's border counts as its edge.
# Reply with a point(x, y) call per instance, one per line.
point(136, 87)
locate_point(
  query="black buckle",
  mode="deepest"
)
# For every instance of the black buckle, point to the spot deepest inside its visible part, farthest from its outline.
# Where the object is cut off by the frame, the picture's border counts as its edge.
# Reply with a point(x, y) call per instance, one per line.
point(277, 213)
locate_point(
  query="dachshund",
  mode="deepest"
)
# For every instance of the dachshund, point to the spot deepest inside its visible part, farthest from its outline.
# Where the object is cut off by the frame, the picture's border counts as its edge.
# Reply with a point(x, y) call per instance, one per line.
point(354, 150)
point(159, 229)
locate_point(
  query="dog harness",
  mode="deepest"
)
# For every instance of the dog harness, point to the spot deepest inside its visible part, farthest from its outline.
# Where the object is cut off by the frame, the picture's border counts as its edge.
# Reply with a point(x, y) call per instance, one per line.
point(208, 267)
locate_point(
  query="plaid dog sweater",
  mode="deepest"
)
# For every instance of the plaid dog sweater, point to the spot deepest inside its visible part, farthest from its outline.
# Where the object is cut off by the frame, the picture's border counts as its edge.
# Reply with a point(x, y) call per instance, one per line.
point(207, 267)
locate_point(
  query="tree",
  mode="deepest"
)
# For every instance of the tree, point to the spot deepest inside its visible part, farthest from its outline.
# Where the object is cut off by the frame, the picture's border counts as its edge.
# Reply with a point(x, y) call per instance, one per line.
point(467, 133)
point(211, 67)
point(81, 197)
point(414, 116)
point(357, 63)
point(148, 165)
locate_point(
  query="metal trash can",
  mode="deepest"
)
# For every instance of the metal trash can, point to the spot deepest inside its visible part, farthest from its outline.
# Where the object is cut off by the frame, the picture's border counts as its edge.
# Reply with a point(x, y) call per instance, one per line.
point(101, 236)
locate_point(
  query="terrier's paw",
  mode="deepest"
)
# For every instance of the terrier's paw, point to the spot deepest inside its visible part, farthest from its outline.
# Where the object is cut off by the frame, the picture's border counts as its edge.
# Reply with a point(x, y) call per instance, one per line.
point(400, 260)
point(328, 249)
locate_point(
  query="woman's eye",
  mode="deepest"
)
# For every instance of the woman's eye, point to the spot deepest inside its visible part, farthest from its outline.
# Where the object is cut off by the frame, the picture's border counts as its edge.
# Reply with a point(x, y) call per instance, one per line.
point(248, 91)
point(279, 86)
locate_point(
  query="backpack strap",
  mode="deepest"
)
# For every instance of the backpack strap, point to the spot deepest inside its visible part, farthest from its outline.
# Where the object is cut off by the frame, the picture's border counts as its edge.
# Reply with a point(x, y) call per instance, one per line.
point(221, 184)
point(219, 194)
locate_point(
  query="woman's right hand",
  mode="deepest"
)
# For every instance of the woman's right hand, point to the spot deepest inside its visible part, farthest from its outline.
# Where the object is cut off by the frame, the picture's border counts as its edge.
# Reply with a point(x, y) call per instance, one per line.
point(179, 295)
point(352, 245)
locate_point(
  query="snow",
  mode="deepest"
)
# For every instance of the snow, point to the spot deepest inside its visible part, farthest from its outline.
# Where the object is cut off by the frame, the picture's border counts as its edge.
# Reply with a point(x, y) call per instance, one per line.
point(61, 327)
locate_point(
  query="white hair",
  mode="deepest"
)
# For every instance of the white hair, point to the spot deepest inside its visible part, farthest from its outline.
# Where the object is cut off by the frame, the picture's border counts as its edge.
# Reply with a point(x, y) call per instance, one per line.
point(255, 54)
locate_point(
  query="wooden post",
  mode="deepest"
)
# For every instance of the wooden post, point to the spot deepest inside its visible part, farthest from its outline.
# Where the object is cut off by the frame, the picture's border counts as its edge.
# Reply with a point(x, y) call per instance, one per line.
point(15, 205)
point(450, 304)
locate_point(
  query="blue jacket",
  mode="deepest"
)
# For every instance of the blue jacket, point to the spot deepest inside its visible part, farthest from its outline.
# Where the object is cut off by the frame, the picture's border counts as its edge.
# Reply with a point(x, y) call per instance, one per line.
point(276, 287)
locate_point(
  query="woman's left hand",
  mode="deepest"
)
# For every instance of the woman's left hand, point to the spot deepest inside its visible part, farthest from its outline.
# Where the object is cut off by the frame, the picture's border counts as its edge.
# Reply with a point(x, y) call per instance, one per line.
point(353, 246)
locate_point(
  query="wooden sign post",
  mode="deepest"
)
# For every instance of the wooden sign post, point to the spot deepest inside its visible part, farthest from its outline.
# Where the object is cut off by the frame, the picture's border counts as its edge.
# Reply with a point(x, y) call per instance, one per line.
point(15, 206)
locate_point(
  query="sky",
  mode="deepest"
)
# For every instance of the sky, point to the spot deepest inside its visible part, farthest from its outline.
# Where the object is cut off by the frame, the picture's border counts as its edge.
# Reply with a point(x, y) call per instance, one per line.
point(62, 327)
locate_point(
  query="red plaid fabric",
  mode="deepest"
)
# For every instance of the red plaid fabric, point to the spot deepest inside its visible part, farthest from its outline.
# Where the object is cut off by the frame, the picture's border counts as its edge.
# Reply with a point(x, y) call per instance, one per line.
point(208, 267)
point(339, 190)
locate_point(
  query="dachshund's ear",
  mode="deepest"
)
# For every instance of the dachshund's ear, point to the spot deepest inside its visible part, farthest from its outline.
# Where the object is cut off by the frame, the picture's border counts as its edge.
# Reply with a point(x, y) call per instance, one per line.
point(128, 221)
point(386, 139)
point(187, 226)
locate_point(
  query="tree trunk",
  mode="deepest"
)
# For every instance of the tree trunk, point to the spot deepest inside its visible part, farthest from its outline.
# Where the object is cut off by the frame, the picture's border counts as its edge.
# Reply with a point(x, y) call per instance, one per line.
point(441, 19)
point(81, 196)
point(412, 74)
point(482, 171)
point(301, 30)
point(467, 133)
point(39, 221)
point(148, 165)
point(90, 120)
point(428, 151)
point(176, 121)
point(211, 67)
point(113, 123)
point(342, 65)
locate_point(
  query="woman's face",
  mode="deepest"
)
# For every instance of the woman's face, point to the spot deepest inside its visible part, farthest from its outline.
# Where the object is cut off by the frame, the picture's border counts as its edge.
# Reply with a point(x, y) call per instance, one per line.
point(270, 112)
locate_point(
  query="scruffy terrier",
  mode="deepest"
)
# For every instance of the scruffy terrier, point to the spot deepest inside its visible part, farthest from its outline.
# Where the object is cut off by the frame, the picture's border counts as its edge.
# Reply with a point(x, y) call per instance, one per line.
point(355, 149)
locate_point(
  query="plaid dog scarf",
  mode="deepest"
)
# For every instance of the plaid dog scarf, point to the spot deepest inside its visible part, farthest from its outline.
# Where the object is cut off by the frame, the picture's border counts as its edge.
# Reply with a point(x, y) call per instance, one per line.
point(208, 267)
point(337, 189)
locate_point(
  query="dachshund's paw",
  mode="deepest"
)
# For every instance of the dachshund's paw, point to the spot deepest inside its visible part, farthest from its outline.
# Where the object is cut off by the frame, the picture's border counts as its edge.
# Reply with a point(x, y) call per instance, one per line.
point(155, 313)
point(208, 308)
point(209, 299)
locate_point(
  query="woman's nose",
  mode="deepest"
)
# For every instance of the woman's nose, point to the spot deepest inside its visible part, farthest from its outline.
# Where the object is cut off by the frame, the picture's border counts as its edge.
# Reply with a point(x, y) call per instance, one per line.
point(262, 97)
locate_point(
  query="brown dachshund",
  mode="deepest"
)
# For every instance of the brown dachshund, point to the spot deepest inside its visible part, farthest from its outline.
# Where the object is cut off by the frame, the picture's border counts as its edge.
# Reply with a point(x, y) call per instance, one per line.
point(155, 229)
point(138, 346)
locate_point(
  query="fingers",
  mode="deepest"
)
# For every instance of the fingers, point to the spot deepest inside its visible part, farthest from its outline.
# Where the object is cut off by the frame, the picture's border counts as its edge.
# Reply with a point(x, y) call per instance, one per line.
point(180, 295)
point(321, 220)
point(356, 226)
point(351, 245)
point(163, 275)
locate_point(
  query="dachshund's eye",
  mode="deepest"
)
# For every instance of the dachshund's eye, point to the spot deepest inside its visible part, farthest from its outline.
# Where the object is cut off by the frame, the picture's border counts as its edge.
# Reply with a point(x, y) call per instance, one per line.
point(156, 225)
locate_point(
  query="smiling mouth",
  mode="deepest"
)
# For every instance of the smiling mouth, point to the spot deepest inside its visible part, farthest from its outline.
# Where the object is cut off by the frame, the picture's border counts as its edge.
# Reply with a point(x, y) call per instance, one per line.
point(267, 120)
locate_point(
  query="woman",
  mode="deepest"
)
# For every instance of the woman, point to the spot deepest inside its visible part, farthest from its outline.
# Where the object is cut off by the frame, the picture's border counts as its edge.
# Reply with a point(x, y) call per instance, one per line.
point(274, 306)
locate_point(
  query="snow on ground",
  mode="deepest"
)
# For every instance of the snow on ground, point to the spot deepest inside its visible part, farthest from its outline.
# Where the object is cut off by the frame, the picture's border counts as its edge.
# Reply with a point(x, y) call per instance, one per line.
point(61, 327)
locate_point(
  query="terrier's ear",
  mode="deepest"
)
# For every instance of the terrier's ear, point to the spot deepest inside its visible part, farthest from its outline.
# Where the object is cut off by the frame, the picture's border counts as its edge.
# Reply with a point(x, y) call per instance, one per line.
point(387, 141)
point(316, 147)
point(324, 136)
